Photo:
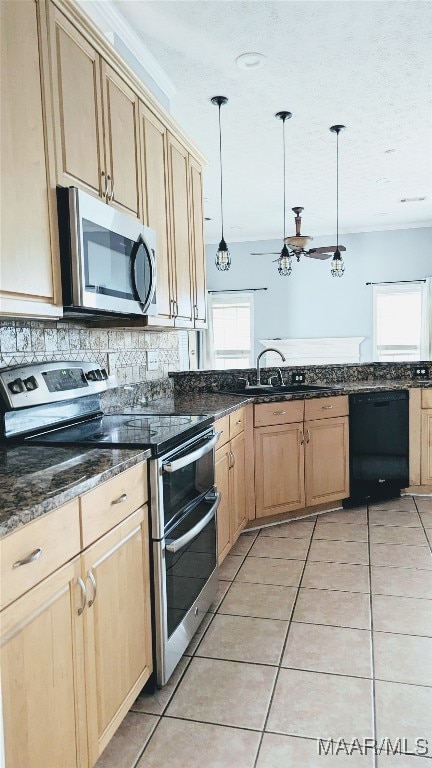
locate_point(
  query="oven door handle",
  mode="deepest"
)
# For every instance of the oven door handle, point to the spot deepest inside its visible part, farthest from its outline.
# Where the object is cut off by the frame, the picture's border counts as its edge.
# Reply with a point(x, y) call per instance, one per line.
point(177, 544)
point(173, 466)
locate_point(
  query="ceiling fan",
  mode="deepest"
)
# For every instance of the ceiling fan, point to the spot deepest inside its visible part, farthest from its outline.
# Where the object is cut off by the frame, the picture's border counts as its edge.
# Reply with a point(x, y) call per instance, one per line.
point(297, 244)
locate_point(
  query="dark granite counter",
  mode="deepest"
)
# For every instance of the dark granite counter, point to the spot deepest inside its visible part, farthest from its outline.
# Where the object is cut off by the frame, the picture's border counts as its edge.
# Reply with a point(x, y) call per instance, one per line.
point(35, 480)
point(214, 404)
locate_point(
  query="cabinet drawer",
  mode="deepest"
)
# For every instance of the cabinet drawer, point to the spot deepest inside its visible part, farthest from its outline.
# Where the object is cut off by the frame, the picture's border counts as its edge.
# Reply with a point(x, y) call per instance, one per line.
point(223, 426)
point(108, 504)
point(56, 535)
point(426, 398)
point(283, 412)
point(237, 422)
point(326, 407)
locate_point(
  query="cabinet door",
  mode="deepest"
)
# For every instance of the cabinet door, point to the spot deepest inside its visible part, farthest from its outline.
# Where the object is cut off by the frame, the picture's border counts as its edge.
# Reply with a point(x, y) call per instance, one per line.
point(77, 107)
point(122, 152)
point(197, 245)
point(42, 675)
point(180, 236)
point(326, 460)
point(29, 276)
point(154, 166)
point(117, 626)
point(238, 483)
point(426, 447)
point(279, 469)
point(222, 480)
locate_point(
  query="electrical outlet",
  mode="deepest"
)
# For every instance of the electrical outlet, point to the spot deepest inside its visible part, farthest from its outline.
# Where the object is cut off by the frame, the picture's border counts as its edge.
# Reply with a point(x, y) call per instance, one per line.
point(298, 377)
point(152, 360)
point(420, 371)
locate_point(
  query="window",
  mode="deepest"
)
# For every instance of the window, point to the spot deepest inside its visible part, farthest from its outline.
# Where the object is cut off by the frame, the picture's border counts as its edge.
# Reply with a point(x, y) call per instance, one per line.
point(401, 321)
point(230, 333)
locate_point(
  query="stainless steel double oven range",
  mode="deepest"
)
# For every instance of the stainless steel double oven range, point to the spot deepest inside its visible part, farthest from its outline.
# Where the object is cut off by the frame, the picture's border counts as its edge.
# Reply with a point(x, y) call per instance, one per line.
point(59, 404)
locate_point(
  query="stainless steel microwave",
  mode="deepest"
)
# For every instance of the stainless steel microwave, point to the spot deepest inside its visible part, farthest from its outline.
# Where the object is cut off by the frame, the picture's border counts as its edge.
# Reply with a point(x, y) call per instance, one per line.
point(108, 258)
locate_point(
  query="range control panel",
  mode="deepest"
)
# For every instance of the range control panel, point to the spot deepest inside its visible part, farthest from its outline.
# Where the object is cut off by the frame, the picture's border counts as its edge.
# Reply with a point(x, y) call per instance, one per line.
point(39, 383)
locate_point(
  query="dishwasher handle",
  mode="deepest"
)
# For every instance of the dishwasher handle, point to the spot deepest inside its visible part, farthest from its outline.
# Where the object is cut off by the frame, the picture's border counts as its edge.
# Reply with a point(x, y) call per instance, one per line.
point(176, 544)
point(173, 466)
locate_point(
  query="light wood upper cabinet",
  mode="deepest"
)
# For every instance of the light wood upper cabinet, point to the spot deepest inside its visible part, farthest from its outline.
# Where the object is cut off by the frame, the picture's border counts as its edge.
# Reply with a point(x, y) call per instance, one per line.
point(326, 460)
point(43, 685)
point(197, 245)
point(178, 168)
point(29, 278)
point(122, 149)
point(154, 164)
point(118, 658)
point(77, 107)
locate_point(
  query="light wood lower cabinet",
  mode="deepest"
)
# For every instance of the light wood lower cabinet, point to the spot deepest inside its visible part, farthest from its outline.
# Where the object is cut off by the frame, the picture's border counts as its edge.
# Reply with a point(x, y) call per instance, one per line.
point(426, 447)
point(230, 478)
point(420, 437)
point(29, 272)
point(303, 463)
point(279, 469)
point(43, 689)
point(118, 654)
point(326, 460)
point(76, 648)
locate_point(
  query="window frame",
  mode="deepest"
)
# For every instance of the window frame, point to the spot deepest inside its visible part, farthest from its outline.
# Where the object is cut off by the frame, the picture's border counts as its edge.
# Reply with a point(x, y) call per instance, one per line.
point(232, 297)
point(426, 319)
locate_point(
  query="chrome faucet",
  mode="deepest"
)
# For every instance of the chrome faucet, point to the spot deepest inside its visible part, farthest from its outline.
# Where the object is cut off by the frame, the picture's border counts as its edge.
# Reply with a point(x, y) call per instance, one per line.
point(258, 373)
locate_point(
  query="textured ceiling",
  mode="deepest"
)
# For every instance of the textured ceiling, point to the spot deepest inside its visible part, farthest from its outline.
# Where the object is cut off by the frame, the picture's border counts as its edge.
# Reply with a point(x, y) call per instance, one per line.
point(366, 64)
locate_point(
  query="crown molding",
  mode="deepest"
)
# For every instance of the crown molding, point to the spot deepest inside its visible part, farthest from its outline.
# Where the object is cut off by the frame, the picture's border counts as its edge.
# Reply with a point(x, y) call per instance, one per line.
point(106, 16)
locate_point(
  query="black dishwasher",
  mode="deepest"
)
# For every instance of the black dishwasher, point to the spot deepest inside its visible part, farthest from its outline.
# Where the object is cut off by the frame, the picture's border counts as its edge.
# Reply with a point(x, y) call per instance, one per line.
point(378, 445)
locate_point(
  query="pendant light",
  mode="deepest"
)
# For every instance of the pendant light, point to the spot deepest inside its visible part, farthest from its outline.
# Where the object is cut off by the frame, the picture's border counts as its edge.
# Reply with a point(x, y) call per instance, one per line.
point(337, 265)
point(284, 261)
point(223, 258)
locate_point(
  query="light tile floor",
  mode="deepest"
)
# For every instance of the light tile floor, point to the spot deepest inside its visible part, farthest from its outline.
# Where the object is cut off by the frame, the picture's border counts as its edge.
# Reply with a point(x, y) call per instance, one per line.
point(321, 629)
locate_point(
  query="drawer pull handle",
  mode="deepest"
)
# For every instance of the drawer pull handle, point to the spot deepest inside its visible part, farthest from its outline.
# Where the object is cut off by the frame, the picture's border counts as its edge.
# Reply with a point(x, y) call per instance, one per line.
point(92, 580)
point(326, 407)
point(120, 499)
point(302, 439)
point(29, 559)
point(278, 413)
point(83, 595)
point(308, 435)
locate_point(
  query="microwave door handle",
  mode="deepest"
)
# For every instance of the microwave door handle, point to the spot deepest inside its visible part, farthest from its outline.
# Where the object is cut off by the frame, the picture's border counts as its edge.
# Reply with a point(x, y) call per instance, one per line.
point(176, 544)
point(143, 301)
point(173, 466)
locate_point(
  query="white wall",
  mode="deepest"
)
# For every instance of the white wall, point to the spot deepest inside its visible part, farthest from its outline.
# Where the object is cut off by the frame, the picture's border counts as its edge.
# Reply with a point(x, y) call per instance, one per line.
point(310, 302)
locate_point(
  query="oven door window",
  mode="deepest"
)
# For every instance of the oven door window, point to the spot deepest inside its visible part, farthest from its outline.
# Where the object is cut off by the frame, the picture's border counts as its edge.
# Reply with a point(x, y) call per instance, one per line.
point(188, 569)
point(186, 485)
point(115, 265)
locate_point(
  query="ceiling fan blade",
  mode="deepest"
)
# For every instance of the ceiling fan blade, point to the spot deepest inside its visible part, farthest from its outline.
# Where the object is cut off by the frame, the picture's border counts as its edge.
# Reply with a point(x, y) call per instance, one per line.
point(328, 249)
point(321, 256)
point(268, 253)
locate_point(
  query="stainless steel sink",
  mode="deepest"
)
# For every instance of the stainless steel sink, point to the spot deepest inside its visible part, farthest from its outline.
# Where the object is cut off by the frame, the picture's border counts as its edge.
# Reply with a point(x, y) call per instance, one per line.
point(284, 389)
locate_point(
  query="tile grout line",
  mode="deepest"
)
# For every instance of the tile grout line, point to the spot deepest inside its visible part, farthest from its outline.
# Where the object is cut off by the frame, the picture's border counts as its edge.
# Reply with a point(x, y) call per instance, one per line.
point(374, 714)
point(279, 666)
point(423, 526)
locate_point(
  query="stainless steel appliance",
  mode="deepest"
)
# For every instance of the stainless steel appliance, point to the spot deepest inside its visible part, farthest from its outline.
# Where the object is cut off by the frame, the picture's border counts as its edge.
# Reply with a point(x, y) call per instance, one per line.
point(58, 404)
point(108, 258)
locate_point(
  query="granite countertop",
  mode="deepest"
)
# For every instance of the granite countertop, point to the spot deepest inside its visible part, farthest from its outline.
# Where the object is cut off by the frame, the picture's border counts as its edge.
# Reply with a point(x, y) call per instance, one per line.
point(35, 480)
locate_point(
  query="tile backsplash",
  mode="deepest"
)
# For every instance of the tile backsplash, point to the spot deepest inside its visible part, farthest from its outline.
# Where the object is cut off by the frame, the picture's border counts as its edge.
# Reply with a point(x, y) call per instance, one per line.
point(34, 341)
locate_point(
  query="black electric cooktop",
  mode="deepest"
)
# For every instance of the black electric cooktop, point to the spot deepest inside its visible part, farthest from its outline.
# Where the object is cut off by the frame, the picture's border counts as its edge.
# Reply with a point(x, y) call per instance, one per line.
point(158, 433)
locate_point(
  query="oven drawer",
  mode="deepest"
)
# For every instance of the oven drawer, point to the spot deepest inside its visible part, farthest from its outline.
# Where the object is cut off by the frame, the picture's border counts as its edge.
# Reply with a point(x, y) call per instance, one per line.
point(111, 502)
point(35, 551)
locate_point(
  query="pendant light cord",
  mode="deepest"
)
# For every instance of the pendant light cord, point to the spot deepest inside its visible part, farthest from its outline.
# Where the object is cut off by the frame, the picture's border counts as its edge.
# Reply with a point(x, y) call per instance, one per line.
point(284, 179)
point(337, 192)
point(220, 160)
